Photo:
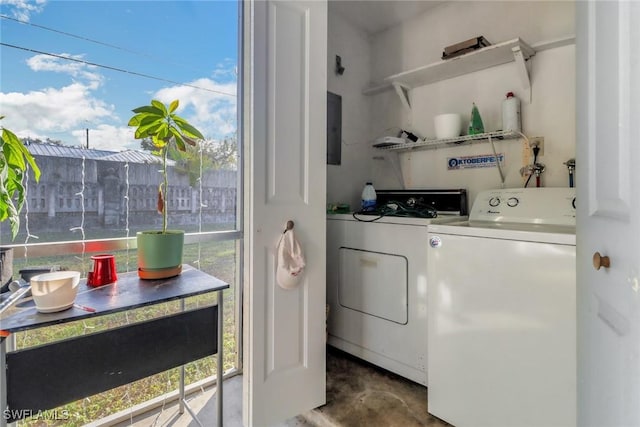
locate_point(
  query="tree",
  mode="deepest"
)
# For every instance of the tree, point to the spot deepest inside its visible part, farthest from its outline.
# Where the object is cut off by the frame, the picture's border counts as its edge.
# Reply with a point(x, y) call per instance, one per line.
point(147, 144)
point(223, 154)
point(216, 155)
point(29, 140)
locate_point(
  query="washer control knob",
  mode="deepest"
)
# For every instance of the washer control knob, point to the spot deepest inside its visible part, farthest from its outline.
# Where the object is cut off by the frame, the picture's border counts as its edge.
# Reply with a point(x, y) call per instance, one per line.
point(494, 201)
point(600, 261)
point(513, 202)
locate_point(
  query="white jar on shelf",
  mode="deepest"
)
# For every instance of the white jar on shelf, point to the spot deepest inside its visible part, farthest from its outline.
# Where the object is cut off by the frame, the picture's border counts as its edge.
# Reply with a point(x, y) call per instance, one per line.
point(447, 125)
point(511, 113)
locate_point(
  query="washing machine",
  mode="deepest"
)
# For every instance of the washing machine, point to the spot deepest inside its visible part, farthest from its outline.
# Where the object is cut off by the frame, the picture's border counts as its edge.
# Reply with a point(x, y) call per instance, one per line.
point(377, 278)
point(502, 312)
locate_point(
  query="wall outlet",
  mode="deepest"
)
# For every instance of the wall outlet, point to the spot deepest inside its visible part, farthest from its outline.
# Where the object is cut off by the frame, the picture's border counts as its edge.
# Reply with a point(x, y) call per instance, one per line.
point(537, 141)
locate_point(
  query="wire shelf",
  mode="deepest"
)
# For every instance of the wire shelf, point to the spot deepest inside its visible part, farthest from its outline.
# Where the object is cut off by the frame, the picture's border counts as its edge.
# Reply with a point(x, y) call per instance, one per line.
point(450, 142)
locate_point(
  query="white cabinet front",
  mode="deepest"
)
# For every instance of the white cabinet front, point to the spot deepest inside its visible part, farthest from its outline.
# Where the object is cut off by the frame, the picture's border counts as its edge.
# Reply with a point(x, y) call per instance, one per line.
point(373, 283)
point(376, 291)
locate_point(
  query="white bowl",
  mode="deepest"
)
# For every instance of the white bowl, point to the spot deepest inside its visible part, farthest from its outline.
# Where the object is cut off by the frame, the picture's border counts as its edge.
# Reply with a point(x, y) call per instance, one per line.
point(447, 125)
point(55, 291)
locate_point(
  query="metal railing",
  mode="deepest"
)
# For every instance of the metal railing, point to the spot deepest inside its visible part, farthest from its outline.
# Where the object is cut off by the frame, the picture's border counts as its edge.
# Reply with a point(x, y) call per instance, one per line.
point(110, 244)
point(129, 243)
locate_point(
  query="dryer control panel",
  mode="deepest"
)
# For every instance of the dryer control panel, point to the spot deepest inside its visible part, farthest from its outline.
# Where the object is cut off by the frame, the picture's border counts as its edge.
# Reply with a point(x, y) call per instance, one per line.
point(548, 206)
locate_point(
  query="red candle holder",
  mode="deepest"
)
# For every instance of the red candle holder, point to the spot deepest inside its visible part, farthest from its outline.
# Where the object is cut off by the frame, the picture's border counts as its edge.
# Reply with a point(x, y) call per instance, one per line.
point(104, 271)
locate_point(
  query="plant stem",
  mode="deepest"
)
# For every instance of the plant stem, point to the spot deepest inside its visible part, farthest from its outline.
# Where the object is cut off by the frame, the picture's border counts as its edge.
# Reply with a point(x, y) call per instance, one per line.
point(166, 188)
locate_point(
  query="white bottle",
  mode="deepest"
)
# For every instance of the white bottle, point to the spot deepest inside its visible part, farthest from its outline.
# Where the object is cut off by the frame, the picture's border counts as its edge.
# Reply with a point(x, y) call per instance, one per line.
point(368, 197)
point(511, 113)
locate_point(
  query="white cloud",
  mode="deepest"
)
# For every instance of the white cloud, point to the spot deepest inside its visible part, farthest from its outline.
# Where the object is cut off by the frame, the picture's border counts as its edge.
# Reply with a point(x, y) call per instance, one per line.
point(63, 113)
point(211, 110)
point(60, 65)
point(107, 137)
point(225, 71)
point(51, 110)
point(22, 9)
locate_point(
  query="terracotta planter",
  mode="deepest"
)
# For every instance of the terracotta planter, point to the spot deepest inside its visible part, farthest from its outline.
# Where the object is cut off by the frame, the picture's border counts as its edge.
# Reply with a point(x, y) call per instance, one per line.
point(159, 254)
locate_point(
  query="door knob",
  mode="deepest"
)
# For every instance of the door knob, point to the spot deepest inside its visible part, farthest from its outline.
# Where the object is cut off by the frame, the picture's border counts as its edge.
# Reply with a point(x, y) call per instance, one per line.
point(600, 261)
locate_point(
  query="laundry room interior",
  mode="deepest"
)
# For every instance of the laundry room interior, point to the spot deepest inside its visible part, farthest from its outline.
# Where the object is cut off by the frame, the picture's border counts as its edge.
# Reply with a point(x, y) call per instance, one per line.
point(548, 109)
point(392, 68)
point(411, 213)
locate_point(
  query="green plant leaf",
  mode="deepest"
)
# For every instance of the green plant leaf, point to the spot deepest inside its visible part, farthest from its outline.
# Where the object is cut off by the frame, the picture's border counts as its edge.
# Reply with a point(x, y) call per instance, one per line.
point(186, 127)
point(173, 106)
point(160, 106)
point(10, 148)
point(163, 131)
point(144, 118)
point(34, 167)
point(5, 201)
point(134, 121)
point(14, 161)
point(178, 139)
point(19, 190)
point(150, 118)
point(158, 142)
point(139, 134)
point(192, 142)
point(150, 109)
point(17, 155)
point(13, 182)
point(149, 129)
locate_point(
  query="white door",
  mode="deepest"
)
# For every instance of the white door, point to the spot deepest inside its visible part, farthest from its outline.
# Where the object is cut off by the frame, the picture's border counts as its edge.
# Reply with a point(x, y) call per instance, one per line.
point(608, 214)
point(284, 106)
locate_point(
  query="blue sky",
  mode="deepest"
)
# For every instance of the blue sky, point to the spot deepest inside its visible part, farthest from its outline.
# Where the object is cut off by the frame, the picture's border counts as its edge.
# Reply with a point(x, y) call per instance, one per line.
point(191, 43)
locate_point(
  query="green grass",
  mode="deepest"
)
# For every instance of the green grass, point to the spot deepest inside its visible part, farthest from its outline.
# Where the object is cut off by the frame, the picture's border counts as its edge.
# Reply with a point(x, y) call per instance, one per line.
point(216, 258)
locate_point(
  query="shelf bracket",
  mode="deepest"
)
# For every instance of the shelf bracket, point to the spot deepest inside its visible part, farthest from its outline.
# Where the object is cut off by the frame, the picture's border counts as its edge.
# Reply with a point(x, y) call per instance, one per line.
point(393, 158)
point(518, 56)
point(403, 92)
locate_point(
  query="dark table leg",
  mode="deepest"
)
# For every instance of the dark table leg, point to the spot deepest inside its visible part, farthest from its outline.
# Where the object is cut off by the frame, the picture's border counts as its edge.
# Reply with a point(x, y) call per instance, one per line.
point(3, 381)
point(220, 374)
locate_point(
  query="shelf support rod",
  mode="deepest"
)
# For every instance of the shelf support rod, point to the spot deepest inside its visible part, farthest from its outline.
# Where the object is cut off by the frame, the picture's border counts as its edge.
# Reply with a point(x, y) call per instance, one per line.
point(403, 92)
point(394, 159)
point(522, 69)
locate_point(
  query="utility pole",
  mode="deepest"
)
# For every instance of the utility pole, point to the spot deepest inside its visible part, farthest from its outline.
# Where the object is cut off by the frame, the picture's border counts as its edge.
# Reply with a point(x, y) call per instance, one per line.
point(87, 138)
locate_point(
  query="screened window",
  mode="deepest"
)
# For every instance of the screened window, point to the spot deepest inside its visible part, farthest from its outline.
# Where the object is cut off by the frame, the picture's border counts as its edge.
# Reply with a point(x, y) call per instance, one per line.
point(71, 74)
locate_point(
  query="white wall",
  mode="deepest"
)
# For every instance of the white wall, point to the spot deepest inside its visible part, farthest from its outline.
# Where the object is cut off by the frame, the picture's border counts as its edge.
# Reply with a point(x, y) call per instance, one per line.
point(420, 41)
point(346, 181)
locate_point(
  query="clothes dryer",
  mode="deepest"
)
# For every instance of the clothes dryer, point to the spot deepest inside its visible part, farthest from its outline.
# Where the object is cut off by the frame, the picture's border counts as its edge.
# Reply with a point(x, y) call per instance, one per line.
point(377, 278)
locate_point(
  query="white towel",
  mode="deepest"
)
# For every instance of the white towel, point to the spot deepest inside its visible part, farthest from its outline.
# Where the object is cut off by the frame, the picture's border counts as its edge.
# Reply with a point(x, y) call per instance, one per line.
point(290, 261)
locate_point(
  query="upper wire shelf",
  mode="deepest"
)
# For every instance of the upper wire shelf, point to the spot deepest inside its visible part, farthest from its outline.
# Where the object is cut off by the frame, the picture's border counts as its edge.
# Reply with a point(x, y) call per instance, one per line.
point(450, 142)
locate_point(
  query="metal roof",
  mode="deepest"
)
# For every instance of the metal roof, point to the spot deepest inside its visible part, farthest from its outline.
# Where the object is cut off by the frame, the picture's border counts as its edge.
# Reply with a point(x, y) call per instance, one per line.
point(131, 156)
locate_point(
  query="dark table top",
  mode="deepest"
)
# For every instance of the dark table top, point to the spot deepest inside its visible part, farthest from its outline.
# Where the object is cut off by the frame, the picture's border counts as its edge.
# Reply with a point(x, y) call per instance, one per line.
point(127, 293)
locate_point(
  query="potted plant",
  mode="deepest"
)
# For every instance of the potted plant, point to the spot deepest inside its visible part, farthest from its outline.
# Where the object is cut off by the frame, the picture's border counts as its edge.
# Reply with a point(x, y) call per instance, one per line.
point(14, 158)
point(160, 252)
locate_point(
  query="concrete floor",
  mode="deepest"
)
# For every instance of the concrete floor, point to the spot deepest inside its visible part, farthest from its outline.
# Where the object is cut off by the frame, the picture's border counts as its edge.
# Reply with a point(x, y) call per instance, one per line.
point(358, 395)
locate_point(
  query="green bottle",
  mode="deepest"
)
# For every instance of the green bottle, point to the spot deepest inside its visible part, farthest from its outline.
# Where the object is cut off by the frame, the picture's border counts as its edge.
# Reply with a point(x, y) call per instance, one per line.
point(475, 124)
